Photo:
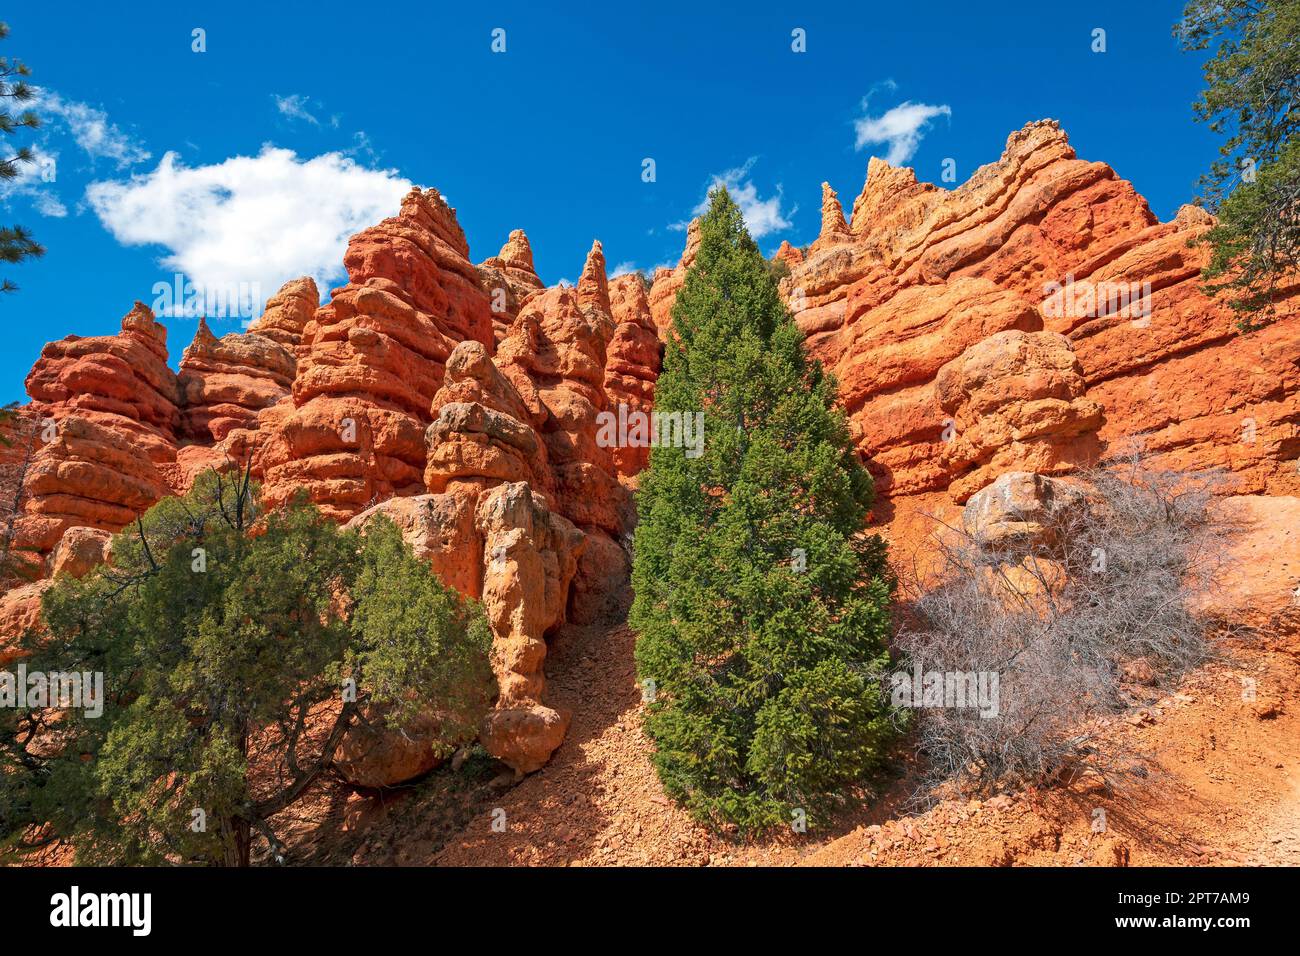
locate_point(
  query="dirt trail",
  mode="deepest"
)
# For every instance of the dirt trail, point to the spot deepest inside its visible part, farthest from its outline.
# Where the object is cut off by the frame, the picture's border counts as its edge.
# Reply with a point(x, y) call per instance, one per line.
point(1281, 844)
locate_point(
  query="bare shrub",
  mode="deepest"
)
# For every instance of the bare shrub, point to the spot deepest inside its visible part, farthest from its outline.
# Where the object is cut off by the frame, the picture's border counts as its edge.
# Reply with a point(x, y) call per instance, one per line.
point(1066, 622)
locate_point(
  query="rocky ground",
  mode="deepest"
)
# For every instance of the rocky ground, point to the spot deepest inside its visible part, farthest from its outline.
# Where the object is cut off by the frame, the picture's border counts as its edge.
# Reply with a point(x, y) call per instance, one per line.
point(1221, 787)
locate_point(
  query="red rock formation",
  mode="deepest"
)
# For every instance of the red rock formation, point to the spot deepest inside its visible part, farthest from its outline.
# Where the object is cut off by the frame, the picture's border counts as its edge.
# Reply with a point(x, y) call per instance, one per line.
point(484, 432)
point(593, 285)
point(234, 386)
point(668, 282)
point(372, 360)
point(1032, 319)
point(225, 382)
point(1039, 240)
point(287, 313)
point(1016, 403)
point(555, 356)
point(89, 474)
point(1069, 247)
point(509, 278)
point(518, 434)
point(386, 392)
point(530, 556)
point(834, 231)
point(120, 382)
point(632, 364)
point(789, 254)
point(108, 413)
point(557, 353)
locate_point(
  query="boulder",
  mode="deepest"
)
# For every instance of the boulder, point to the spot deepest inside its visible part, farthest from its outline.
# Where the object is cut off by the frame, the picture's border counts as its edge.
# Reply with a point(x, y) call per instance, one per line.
point(80, 550)
point(374, 755)
point(439, 529)
point(1020, 511)
point(1258, 584)
point(1015, 401)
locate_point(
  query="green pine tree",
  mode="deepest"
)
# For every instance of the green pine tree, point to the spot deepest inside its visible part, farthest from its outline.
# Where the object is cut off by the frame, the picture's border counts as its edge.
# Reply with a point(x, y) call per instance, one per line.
point(16, 243)
point(1252, 100)
point(761, 609)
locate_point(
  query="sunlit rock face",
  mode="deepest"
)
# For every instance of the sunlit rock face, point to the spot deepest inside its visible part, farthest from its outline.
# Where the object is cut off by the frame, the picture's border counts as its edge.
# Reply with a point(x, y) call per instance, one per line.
point(1035, 318)
point(1032, 320)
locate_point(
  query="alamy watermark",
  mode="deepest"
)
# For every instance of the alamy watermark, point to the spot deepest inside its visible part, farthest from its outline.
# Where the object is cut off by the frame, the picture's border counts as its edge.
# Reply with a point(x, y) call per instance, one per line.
point(1086, 300)
point(67, 690)
point(74, 908)
point(632, 428)
point(183, 299)
point(973, 690)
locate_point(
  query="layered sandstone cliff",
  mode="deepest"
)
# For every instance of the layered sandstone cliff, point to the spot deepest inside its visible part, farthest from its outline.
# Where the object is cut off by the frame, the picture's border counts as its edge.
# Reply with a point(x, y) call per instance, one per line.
point(1035, 318)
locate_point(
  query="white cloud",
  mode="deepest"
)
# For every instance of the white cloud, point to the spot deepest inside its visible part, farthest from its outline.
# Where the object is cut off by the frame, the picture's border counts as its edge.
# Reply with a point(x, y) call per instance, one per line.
point(90, 128)
point(48, 204)
point(362, 146)
point(260, 219)
point(762, 216)
point(623, 268)
point(901, 127)
point(295, 106)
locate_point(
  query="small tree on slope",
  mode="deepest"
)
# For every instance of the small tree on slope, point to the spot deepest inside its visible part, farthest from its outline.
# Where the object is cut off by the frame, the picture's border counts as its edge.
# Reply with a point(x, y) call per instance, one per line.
point(237, 650)
point(761, 609)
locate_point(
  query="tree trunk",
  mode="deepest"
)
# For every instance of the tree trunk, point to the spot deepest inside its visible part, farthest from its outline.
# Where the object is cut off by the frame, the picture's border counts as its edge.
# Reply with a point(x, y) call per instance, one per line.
point(237, 836)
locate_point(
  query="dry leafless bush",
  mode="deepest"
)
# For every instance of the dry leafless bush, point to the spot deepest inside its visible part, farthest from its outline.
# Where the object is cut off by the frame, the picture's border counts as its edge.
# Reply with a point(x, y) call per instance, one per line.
point(1068, 619)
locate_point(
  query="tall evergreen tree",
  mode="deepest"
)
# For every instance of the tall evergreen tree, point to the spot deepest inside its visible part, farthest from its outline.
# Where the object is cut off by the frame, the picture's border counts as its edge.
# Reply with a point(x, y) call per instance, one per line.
point(761, 609)
point(16, 243)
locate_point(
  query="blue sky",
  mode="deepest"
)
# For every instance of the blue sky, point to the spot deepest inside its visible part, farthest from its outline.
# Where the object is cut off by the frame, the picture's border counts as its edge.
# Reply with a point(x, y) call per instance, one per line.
point(251, 160)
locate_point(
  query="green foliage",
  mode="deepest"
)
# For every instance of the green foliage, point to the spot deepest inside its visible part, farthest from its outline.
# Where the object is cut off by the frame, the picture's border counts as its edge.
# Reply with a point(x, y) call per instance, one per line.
point(225, 639)
point(766, 676)
point(416, 632)
point(16, 243)
point(1252, 98)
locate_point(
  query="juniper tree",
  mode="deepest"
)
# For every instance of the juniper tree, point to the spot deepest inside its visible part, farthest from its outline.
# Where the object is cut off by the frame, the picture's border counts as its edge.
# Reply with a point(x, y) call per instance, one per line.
point(761, 609)
point(1252, 99)
point(237, 650)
